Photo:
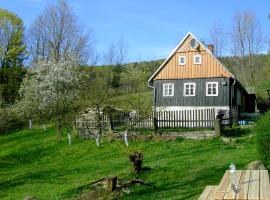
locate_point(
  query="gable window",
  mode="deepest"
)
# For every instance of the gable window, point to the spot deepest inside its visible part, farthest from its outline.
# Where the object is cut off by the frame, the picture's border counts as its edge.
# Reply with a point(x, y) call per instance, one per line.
point(181, 60)
point(211, 88)
point(168, 89)
point(197, 59)
point(189, 89)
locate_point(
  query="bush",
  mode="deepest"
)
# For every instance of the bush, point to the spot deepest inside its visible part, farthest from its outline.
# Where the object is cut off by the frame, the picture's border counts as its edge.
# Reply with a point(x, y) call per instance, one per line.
point(9, 120)
point(263, 105)
point(262, 131)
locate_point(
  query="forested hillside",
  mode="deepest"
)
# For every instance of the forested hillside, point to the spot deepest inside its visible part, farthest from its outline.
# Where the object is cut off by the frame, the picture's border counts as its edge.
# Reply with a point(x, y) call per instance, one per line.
point(133, 76)
point(262, 73)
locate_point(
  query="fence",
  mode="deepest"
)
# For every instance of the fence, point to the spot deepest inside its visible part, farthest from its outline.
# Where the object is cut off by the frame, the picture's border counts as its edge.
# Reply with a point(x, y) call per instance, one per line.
point(199, 118)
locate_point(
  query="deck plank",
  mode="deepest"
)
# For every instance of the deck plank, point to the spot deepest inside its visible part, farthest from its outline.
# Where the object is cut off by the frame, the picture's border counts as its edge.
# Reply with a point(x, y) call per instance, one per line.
point(230, 194)
point(225, 181)
point(254, 185)
point(213, 193)
point(244, 185)
point(219, 195)
point(264, 185)
point(206, 192)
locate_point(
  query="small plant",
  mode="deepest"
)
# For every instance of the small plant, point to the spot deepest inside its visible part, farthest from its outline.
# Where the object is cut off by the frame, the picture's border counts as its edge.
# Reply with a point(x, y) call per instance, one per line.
point(136, 158)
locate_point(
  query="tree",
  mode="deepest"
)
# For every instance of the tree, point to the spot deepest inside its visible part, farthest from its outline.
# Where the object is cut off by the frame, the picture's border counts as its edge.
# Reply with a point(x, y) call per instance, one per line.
point(52, 89)
point(133, 78)
point(56, 36)
point(60, 90)
point(141, 110)
point(31, 104)
point(218, 39)
point(115, 58)
point(246, 38)
point(12, 55)
point(93, 99)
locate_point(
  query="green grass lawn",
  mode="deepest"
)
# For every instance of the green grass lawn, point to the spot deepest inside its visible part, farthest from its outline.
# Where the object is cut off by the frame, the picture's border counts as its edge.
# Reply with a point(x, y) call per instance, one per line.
point(32, 162)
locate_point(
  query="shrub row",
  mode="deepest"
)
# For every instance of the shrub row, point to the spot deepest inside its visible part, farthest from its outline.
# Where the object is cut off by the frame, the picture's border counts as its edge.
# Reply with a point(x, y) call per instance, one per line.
point(9, 120)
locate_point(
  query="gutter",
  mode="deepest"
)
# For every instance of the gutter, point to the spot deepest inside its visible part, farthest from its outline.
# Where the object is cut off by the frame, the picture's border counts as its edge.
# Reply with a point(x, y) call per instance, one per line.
point(151, 86)
point(234, 82)
point(154, 97)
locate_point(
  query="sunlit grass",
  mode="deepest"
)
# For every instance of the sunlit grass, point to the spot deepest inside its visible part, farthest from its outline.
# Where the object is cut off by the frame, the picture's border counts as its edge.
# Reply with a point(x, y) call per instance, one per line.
point(33, 163)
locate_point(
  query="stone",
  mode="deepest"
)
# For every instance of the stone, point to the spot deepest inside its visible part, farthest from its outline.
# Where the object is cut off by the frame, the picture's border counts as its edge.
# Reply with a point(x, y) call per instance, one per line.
point(256, 165)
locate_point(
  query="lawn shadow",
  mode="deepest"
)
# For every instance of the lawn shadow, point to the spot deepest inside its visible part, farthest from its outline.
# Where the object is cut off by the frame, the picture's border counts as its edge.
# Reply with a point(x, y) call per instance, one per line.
point(185, 189)
point(24, 156)
point(236, 132)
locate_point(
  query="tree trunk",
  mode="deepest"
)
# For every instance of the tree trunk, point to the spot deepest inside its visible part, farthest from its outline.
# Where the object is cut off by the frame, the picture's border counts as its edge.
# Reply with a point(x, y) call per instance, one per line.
point(111, 183)
point(30, 124)
point(126, 137)
point(69, 138)
point(58, 134)
point(98, 140)
point(44, 127)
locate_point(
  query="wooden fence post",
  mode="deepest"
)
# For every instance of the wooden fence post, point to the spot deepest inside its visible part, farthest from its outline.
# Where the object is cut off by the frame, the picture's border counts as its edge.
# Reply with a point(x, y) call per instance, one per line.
point(155, 122)
point(217, 127)
point(110, 121)
point(236, 116)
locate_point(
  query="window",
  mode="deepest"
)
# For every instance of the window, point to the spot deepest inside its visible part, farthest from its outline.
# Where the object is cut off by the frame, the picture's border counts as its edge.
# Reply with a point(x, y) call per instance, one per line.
point(168, 89)
point(212, 89)
point(197, 59)
point(182, 60)
point(189, 89)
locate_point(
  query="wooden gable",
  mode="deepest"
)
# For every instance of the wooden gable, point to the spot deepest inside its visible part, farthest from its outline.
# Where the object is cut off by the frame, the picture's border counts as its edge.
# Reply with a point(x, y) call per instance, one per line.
point(210, 66)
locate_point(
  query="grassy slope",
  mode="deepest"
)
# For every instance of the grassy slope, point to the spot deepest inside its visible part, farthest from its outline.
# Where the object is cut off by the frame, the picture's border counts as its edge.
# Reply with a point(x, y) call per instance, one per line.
point(33, 163)
point(121, 101)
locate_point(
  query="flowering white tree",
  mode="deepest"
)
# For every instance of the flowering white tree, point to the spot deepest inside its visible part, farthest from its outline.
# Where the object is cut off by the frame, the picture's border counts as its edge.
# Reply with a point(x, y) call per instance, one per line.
point(30, 105)
point(54, 89)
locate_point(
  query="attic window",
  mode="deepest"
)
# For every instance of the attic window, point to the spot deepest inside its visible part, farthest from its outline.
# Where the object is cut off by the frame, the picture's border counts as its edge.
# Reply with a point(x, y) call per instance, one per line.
point(197, 59)
point(182, 60)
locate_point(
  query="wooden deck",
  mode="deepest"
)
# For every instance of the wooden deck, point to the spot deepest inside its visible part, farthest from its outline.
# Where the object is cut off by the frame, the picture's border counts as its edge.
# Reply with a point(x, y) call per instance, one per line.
point(253, 185)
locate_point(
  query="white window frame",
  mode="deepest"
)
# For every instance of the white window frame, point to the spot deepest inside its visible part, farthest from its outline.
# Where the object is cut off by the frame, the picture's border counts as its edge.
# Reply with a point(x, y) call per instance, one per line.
point(194, 59)
point(179, 60)
point(185, 88)
point(211, 95)
point(164, 89)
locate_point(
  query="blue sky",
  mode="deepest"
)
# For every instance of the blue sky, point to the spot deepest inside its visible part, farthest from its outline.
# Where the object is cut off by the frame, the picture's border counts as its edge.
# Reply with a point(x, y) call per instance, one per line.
point(151, 28)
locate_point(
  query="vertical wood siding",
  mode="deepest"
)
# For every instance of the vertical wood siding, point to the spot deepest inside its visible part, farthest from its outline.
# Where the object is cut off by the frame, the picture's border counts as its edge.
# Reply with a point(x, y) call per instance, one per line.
point(200, 98)
point(210, 66)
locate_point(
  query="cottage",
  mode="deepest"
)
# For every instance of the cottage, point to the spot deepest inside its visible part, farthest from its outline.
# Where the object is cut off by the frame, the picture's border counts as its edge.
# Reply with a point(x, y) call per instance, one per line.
point(193, 78)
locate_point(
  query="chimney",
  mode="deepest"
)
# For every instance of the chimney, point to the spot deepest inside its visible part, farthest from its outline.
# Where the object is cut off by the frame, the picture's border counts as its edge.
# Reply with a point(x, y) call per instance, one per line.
point(211, 48)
